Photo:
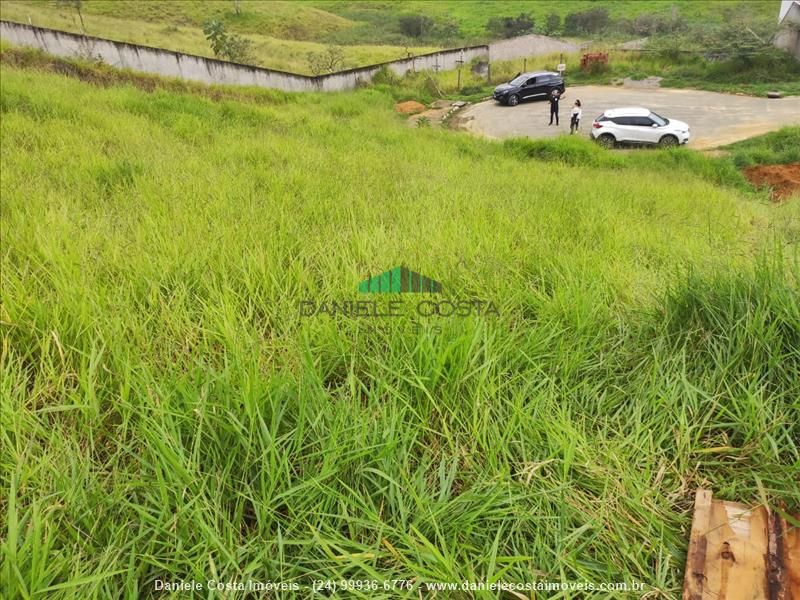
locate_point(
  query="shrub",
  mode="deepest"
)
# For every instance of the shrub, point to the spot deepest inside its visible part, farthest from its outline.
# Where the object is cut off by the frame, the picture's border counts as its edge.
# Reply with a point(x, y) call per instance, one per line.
point(471, 90)
point(506, 27)
point(225, 45)
point(552, 24)
point(329, 60)
point(416, 25)
point(587, 21)
point(385, 76)
point(447, 32)
point(598, 68)
point(479, 66)
point(652, 24)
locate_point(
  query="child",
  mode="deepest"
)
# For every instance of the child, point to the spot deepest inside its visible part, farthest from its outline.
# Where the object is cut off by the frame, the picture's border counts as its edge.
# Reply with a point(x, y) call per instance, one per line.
point(576, 117)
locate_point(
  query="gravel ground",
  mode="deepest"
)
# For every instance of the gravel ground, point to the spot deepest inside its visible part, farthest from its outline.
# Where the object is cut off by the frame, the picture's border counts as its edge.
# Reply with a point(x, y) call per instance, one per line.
point(715, 119)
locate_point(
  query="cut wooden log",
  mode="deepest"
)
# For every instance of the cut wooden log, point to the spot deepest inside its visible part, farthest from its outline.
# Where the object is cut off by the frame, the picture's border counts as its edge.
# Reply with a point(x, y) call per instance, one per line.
point(739, 552)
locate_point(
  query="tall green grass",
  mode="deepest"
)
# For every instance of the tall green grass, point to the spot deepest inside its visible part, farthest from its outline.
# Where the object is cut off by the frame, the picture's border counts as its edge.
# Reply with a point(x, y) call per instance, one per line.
point(168, 414)
point(777, 147)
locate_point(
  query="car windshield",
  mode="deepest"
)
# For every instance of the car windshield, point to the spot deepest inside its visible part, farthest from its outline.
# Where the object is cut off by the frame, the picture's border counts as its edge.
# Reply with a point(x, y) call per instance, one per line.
point(659, 120)
point(519, 80)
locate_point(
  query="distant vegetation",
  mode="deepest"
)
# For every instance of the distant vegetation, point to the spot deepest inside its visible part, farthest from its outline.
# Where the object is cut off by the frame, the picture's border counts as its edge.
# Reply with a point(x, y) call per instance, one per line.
point(480, 21)
point(283, 34)
point(506, 27)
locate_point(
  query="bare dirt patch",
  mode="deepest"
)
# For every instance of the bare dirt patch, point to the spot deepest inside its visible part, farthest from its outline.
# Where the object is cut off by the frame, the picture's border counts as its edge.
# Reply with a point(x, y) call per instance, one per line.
point(784, 180)
point(409, 107)
point(437, 114)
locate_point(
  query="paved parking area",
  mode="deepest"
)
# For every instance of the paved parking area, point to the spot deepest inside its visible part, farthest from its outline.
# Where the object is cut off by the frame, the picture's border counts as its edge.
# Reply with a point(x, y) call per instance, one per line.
point(715, 119)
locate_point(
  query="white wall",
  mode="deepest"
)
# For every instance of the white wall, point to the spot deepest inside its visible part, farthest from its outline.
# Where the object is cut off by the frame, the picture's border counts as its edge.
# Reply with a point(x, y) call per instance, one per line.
point(208, 70)
point(152, 60)
point(529, 45)
point(789, 39)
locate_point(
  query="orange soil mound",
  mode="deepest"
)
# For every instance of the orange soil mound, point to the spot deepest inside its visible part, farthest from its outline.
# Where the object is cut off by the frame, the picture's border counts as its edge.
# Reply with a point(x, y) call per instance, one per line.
point(783, 179)
point(409, 107)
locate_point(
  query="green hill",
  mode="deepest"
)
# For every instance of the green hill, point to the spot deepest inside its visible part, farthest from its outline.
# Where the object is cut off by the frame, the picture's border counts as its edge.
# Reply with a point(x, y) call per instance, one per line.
point(283, 33)
point(168, 412)
point(371, 19)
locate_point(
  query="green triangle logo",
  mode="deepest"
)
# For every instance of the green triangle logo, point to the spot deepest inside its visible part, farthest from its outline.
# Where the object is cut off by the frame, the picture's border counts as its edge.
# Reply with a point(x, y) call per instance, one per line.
point(399, 281)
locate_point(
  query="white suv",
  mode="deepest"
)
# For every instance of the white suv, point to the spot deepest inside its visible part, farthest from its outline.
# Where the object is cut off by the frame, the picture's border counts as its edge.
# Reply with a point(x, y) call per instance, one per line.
point(638, 126)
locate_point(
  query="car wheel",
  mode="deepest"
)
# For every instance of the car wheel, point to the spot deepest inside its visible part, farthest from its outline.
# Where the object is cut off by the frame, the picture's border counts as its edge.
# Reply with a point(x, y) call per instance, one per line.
point(513, 100)
point(668, 141)
point(606, 140)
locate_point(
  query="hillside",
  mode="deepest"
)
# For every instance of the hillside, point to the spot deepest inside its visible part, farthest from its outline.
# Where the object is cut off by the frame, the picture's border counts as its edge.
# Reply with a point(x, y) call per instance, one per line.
point(472, 16)
point(283, 33)
point(169, 412)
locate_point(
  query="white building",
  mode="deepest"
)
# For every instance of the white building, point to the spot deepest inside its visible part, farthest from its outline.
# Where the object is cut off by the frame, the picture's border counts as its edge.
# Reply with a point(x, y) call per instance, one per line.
point(788, 37)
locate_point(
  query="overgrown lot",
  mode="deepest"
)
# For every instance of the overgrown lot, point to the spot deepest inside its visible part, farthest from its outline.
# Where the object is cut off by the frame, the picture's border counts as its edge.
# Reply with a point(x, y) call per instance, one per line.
point(167, 413)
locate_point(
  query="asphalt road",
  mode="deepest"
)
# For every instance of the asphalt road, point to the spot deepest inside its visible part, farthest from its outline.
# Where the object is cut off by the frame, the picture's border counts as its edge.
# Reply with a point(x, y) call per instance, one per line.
point(715, 119)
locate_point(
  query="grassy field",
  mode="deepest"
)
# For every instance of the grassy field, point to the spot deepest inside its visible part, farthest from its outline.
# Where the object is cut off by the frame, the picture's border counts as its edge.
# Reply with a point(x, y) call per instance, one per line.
point(372, 21)
point(168, 414)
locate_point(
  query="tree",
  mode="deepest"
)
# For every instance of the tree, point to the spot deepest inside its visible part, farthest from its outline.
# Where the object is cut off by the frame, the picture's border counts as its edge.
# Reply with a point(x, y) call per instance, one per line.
point(225, 45)
point(506, 27)
point(448, 31)
point(588, 21)
point(552, 24)
point(329, 60)
point(416, 25)
point(652, 24)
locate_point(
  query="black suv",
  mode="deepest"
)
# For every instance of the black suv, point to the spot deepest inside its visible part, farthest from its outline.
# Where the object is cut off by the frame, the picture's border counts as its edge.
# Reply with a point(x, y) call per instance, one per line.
point(526, 86)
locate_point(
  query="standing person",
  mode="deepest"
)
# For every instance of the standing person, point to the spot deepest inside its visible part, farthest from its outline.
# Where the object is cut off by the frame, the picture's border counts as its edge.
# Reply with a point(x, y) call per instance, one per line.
point(576, 117)
point(554, 97)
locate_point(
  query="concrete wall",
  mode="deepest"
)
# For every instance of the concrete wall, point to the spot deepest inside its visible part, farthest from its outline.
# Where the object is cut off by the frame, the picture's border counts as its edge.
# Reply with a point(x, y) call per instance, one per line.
point(152, 60)
point(529, 45)
point(208, 70)
point(445, 60)
point(789, 39)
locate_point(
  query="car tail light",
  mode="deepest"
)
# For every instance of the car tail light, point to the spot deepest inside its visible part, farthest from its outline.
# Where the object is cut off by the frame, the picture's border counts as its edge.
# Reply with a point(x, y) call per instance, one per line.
point(596, 125)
